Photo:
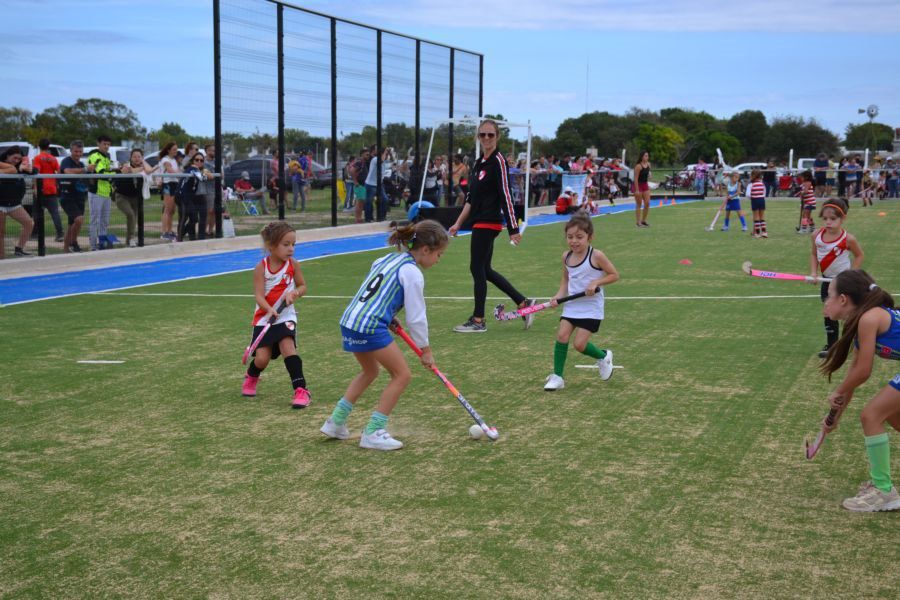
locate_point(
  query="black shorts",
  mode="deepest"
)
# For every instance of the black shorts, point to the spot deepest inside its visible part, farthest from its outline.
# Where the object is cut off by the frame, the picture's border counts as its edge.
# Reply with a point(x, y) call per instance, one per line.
point(592, 325)
point(757, 204)
point(74, 207)
point(275, 334)
point(823, 291)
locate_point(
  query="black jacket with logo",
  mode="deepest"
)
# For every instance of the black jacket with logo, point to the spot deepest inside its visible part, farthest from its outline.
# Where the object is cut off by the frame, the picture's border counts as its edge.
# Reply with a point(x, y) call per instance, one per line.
point(489, 195)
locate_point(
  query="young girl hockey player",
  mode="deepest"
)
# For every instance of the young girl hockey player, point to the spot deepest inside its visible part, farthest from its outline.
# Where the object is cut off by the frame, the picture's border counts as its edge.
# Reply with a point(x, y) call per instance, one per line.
point(394, 282)
point(831, 249)
point(584, 269)
point(872, 327)
point(807, 203)
point(277, 278)
point(757, 192)
point(733, 204)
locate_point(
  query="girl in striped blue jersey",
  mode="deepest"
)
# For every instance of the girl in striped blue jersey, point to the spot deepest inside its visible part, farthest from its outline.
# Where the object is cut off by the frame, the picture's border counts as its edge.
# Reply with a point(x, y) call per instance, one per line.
point(393, 282)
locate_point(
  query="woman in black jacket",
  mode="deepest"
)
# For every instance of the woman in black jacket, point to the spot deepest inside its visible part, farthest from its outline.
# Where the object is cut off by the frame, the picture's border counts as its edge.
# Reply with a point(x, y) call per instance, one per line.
point(489, 206)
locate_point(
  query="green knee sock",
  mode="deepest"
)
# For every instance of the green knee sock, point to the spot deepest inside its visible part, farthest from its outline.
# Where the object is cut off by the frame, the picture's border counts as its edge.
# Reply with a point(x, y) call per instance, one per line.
point(559, 358)
point(341, 412)
point(593, 351)
point(378, 421)
point(879, 451)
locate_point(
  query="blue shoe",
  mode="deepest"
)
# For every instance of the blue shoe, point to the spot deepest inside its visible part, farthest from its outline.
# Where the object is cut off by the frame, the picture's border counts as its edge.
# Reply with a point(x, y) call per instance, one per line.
point(102, 243)
point(112, 239)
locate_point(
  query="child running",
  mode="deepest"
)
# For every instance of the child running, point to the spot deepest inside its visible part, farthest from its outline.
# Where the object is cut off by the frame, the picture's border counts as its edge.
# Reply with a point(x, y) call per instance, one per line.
point(807, 203)
point(757, 193)
point(584, 269)
point(277, 278)
point(733, 203)
point(872, 327)
point(394, 282)
point(831, 249)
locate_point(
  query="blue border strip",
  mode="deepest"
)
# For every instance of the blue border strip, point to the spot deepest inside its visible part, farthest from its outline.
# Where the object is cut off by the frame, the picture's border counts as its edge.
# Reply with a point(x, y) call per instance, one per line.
point(105, 279)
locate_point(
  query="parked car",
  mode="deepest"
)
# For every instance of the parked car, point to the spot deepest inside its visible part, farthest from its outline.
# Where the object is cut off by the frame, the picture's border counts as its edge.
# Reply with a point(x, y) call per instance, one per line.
point(744, 168)
point(32, 151)
point(259, 170)
point(118, 155)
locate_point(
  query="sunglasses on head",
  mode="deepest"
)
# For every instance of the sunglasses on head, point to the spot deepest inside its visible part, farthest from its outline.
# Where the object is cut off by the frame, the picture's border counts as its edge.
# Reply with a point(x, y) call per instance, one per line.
point(486, 134)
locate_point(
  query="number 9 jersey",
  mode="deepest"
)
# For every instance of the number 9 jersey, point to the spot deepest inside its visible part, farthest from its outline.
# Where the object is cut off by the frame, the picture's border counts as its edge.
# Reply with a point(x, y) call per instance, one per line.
point(394, 282)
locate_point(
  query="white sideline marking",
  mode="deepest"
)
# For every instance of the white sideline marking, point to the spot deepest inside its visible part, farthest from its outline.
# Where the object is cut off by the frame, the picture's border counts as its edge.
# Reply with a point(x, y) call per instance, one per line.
point(455, 298)
point(595, 366)
point(100, 362)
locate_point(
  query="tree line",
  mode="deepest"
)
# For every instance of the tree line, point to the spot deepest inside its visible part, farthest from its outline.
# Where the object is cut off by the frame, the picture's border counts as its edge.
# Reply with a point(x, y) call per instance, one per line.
point(671, 135)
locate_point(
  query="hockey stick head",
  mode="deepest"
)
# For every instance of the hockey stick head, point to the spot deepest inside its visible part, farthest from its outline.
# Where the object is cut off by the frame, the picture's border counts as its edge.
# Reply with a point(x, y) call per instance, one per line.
point(747, 267)
point(498, 311)
point(492, 433)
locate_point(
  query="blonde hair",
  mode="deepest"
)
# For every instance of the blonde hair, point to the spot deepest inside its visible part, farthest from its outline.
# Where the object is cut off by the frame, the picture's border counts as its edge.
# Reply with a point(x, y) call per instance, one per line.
point(273, 232)
point(428, 233)
point(493, 124)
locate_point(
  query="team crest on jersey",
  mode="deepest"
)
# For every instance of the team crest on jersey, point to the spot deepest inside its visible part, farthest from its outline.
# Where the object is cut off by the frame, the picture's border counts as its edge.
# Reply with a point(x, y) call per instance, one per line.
point(289, 325)
point(481, 175)
point(285, 278)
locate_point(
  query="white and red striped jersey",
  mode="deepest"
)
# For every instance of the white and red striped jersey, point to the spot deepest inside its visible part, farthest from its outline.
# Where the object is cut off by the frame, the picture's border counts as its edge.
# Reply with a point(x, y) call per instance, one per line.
point(277, 284)
point(757, 190)
point(808, 195)
point(833, 257)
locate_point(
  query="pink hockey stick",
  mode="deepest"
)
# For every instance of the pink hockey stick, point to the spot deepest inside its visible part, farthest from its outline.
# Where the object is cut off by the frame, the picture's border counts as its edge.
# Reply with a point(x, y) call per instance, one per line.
point(812, 449)
point(500, 315)
point(252, 347)
point(749, 270)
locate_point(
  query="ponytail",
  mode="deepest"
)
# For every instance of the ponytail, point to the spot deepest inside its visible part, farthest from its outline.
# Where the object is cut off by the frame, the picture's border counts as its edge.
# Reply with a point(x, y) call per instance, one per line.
point(409, 236)
point(865, 294)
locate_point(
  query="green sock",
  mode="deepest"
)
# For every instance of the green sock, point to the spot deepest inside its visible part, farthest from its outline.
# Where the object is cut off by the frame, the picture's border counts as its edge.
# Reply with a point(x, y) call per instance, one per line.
point(559, 358)
point(593, 351)
point(879, 451)
point(378, 421)
point(341, 412)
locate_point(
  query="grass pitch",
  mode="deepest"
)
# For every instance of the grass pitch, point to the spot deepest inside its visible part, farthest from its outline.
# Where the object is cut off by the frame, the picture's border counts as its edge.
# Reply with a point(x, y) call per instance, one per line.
point(681, 477)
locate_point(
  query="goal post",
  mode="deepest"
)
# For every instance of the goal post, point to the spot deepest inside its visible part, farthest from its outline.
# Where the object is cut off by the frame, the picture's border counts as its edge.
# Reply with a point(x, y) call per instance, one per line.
point(476, 122)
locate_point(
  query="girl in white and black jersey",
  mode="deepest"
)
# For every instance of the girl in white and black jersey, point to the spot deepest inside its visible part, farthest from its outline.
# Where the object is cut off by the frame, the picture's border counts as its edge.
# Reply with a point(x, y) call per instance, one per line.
point(585, 269)
point(832, 246)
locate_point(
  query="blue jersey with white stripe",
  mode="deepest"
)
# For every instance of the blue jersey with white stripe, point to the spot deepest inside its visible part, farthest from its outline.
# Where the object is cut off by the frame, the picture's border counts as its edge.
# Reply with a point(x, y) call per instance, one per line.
point(380, 296)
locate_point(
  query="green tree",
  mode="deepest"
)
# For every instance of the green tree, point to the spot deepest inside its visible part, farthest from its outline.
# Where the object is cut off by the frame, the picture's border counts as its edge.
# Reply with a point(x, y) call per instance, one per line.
point(750, 128)
point(689, 122)
point(170, 132)
point(703, 145)
point(806, 137)
point(661, 142)
point(88, 118)
point(14, 123)
point(862, 136)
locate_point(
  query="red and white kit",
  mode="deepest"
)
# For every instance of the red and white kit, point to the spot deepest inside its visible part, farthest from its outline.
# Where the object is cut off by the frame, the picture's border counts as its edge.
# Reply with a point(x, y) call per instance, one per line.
point(833, 256)
point(277, 283)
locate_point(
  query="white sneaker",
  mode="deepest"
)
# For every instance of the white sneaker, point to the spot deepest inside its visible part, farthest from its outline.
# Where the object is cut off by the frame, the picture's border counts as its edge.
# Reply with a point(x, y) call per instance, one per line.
point(554, 382)
point(379, 440)
point(132, 243)
point(529, 318)
point(606, 366)
point(333, 430)
point(871, 499)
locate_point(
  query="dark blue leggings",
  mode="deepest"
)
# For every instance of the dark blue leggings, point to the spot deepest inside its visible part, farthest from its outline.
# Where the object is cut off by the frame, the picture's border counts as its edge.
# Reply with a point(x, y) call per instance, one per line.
point(481, 252)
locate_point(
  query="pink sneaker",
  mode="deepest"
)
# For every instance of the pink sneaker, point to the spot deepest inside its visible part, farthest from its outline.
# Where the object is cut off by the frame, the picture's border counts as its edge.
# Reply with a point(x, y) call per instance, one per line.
point(301, 398)
point(249, 387)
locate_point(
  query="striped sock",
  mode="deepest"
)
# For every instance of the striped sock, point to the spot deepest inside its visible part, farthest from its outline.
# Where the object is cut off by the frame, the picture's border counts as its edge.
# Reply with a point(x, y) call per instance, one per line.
point(378, 421)
point(341, 412)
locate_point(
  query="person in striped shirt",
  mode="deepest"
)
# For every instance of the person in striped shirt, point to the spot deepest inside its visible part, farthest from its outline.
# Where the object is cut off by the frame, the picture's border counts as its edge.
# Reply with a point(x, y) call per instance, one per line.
point(394, 282)
point(757, 193)
point(807, 203)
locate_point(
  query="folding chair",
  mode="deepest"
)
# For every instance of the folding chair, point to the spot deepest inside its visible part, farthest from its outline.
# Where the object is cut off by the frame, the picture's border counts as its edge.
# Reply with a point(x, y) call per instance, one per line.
point(249, 206)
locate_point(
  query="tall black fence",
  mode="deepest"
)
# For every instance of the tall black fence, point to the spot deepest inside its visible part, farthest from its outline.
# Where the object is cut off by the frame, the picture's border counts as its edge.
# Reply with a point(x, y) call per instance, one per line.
point(292, 82)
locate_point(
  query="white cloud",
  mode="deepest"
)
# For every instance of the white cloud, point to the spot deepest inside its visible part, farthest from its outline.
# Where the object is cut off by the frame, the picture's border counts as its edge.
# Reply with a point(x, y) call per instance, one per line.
point(823, 16)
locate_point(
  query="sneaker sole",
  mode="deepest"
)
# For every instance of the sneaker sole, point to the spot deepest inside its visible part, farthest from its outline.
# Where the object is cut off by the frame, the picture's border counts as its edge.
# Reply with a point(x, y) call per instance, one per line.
point(470, 330)
point(368, 447)
point(248, 395)
point(298, 406)
point(333, 437)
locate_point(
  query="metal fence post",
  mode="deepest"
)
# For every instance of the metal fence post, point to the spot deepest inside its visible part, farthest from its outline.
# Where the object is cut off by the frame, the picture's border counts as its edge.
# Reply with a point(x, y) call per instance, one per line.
point(37, 209)
point(217, 110)
point(334, 155)
point(140, 221)
point(419, 172)
point(449, 163)
point(281, 156)
point(378, 166)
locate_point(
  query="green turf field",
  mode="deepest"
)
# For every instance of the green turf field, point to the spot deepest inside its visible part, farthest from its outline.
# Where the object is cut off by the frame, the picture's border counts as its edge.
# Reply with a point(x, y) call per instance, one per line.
point(681, 477)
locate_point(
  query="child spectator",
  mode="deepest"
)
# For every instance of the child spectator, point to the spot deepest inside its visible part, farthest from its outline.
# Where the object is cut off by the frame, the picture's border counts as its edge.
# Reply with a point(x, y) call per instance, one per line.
point(46, 164)
point(757, 193)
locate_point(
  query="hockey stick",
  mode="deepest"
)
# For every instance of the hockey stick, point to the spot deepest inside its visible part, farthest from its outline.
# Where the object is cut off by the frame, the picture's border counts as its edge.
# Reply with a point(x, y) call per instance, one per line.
point(252, 347)
point(718, 212)
point(521, 312)
point(749, 270)
point(490, 432)
point(812, 449)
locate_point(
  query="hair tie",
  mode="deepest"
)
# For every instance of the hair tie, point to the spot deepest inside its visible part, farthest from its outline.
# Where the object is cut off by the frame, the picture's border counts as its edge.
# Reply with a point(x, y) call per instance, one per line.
point(411, 241)
point(836, 207)
point(873, 286)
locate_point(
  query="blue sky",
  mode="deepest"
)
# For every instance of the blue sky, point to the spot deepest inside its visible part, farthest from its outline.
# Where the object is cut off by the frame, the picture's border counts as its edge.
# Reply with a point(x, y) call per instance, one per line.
point(545, 62)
